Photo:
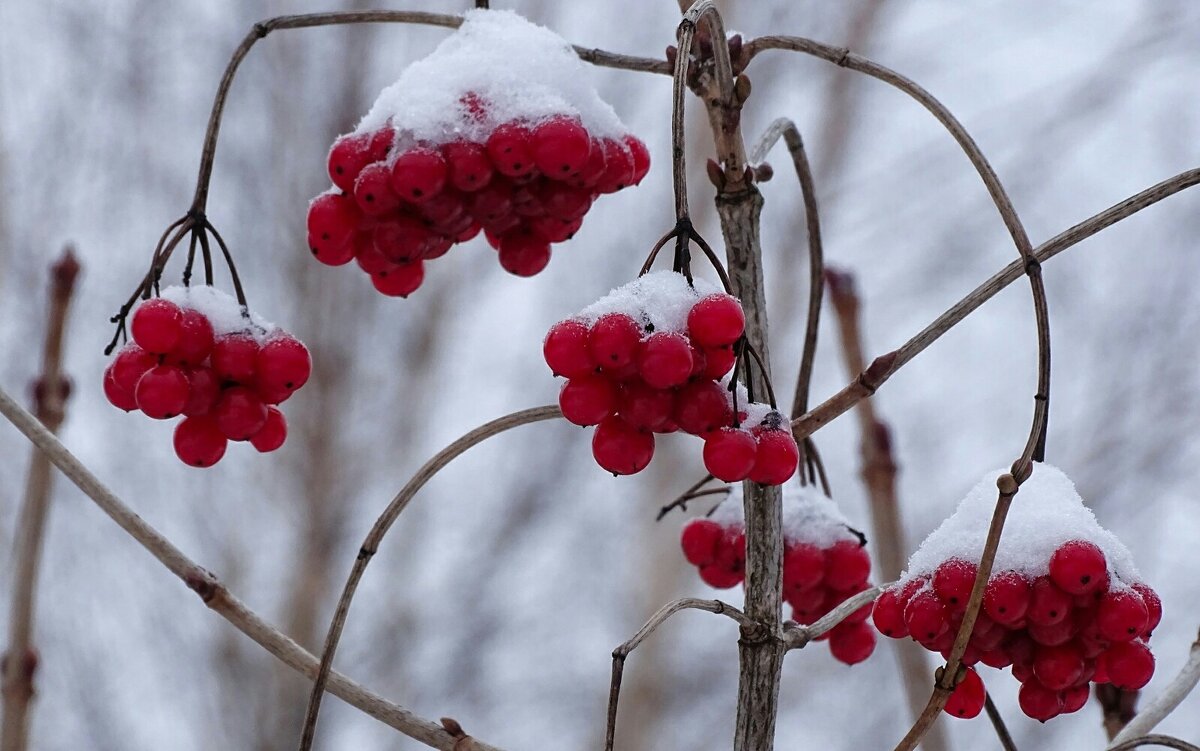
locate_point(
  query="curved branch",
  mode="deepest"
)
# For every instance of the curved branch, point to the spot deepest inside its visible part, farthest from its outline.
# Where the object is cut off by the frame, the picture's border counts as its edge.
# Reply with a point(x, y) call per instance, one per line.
point(371, 544)
point(797, 636)
point(215, 595)
point(1155, 740)
point(1166, 702)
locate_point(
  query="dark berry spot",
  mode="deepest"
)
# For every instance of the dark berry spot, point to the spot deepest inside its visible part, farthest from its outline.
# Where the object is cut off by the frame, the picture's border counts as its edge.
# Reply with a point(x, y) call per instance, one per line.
point(370, 198)
point(417, 193)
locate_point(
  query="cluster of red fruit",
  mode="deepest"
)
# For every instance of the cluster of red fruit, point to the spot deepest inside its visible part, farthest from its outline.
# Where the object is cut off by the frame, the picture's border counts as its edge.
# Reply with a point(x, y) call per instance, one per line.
point(1059, 632)
point(527, 186)
point(632, 380)
point(815, 579)
point(226, 384)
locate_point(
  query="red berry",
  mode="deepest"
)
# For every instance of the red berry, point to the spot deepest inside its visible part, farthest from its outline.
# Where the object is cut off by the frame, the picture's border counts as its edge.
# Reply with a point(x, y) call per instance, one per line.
point(555, 230)
point(808, 604)
point(995, 658)
point(613, 340)
point(592, 172)
point(1129, 665)
point(1058, 667)
point(618, 167)
point(588, 399)
point(510, 148)
point(968, 697)
point(700, 538)
point(162, 392)
point(523, 253)
point(1049, 604)
point(803, 566)
point(332, 221)
point(838, 596)
point(702, 406)
point(493, 205)
point(204, 388)
point(1078, 567)
point(199, 442)
point(926, 617)
point(401, 280)
point(272, 434)
point(621, 448)
point(419, 175)
point(645, 407)
point(373, 193)
point(1153, 606)
point(1006, 598)
point(719, 577)
point(641, 158)
point(952, 582)
point(1122, 615)
point(235, 357)
point(1039, 702)
point(350, 154)
point(888, 614)
point(401, 239)
point(851, 643)
point(1075, 698)
point(282, 362)
point(847, 565)
point(195, 339)
point(718, 361)
point(117, 396)
point(716, 321)
point(561, 147)
point(568, 204)
point(369, 258)
point(665, 360)
point(729, 454)
point(469, 167)
point(240, 413)
point(776, 457)
point(1054, 634)
point(129, 366)
point(157, 325)
point(566, 349)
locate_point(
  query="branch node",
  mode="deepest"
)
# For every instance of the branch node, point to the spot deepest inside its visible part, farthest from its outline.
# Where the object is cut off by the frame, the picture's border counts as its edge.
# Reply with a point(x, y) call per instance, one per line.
point(1007, 484)
point(878, 371)
point(202, 583)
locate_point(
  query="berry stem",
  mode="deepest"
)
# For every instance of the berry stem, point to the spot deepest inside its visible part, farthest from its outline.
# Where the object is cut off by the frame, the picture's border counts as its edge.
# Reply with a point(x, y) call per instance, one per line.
point(1006, 740)
point(681, 501)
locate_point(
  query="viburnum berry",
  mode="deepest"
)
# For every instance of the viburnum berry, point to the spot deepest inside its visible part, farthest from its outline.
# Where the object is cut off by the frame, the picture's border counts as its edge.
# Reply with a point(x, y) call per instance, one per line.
point(729, 454)
point(470, 169)
point(283, 362)
point(1048, 604)
point(555, 230)
point(1006, 597)
point(968, 697)
point(350, 154)
point(646, 407)
point(240, 413)
point(588, 399)
point(1128, 665)
point(1153, 606)
point(566, 349)
point(593, 172)
point(401, 239)
point(641, 158)
point(618, 167)
point(204, 388)
point(851, 643)
point(926, 617)
point(162, 392)
point(847, 565)
point(373, 192)
point(1039, 702)
point(565, 203)
point(664, 360)
point(720, 577)
point(157, 325)
point(621, 448)
point(199, 442)
point(1058, 667)
point(510, 148)
point(718, 361)
point(419, 174)
point(561, 147)
point(613, 340)
point(808, 604)
point(195, 339)
point(888, 614)
point(272, 434)
point(952, 582)
point(776, 457)
point(117, 396)
point(523, 253)
point(332, 221)
point(700, 539)
point(1122, 615)
point(129, 365)
point(702, 406)
point(400, 280)
point(803, 566)
point(1078, 567)
point(1074, 698)
point(1053, 634)
point(716, 321)
point(235, 357)
point(493, 206)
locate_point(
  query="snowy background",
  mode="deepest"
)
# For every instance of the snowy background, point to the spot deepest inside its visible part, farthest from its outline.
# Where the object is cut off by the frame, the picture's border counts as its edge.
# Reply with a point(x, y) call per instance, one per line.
point(500, 594)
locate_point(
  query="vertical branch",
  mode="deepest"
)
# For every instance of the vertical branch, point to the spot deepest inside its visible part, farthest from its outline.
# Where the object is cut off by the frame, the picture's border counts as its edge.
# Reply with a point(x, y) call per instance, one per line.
point(50, 394)
point(879, 477)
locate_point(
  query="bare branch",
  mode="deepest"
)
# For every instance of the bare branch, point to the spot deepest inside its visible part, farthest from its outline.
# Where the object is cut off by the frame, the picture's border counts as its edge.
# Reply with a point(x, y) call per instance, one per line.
point(215, 595)
point(797, 636)
point(375, 537)
point(1155, 740)
point(1166, 702)
point(666, 611)
point(50, 395)
point(1006, 740)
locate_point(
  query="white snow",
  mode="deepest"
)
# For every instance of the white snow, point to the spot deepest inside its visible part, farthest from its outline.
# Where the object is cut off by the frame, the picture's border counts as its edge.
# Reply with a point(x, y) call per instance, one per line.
point(520, 70)
point(808, 516)
point(662, 298)
point(1046, 512)
point(222, 310)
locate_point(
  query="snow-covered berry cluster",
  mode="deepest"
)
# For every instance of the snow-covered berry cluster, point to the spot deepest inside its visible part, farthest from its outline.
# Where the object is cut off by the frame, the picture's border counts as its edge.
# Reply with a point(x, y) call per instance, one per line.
point(1064, 605)
point(196, 352)
point(649, 358)
point(497, 131)
point(825, 562)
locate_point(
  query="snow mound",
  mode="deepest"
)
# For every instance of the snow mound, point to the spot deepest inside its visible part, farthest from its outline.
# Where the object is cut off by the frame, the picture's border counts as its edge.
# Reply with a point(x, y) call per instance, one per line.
point(1046, 512)
point(661, 299)
point(223, 311)
point(497, 68)
point(808, 516)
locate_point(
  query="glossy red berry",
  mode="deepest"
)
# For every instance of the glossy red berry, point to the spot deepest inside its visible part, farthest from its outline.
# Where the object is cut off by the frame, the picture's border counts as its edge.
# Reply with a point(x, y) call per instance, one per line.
point(729, 454)
point(565, 203)
point(1039, 702)
point(157, 325)
point(613, 340)
point(702, 406)
point(588, 399)
point(718, 361)
point(400, 280)
point(968, 697)
point(350, 154)
point(665, 360)
point(235, 357)
point(373, 192)
point(641, 158)
point(1078, 567)
point(847, 565)
point(888, 615)
point(523, 253)
point(1153, 606)
point(239, 413)
point(332, 221)
point(204, 388)
point(419, 175)
point(566, 349)
point(1058, 667)
point(719, 577)
point(1007, 597)
point(195, 339)
point(618, 167)
point(621, 448)
point(851, 643)
point(129, 365)
point(803, 566)
point(1122, 615)
point(283, 362)
point(776, 457)
point(1129, 665)
point(510, 148)
point(470, 168)
point(700, 539)
point(926, 616)
point(952, 582)
point(199, 442)
point(561, 147)
point(1075, 698)
point(273, 432)
point(1048, 604)
point(117, 396)
point(716, 321)
point(401, 239)
point(646, 407)
point(162, 392)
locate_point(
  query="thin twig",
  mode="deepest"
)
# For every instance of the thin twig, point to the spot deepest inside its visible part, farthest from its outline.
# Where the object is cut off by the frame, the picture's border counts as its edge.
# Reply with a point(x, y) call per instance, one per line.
point(796, 636)
point(1155, 740)
point(216, 595)
point(682, 499)
point(1006, 740)
point(50, 396)
point(1166, 702)
point(666, 611)
point(375, 537)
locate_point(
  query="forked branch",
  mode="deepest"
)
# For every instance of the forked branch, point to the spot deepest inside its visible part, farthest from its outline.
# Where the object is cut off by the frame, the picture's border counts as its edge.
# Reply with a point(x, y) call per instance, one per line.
point(796, 636)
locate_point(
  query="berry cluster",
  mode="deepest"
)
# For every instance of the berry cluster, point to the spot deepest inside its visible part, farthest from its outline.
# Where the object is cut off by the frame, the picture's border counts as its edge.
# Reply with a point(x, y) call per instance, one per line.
point(1077, 617)
point(824, 563)
point(649, 358)
point(197, 353)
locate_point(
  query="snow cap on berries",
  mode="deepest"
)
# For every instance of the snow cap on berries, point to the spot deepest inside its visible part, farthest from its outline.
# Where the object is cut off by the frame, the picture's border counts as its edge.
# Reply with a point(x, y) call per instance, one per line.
point(512, 68)
point(1046, 513)
point(661, 298)
point(808, 516)
point(222, 310)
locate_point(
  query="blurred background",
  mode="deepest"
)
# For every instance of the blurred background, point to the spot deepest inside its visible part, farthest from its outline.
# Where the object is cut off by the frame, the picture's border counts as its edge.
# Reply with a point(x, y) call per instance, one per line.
point(501, 592)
